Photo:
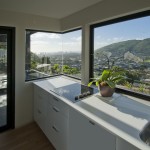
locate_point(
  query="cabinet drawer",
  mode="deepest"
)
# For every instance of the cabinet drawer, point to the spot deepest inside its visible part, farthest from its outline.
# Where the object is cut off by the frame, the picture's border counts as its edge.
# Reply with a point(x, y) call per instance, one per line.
point(57, 136)
point(54, 116)
point(50, 134)
point(60, 106)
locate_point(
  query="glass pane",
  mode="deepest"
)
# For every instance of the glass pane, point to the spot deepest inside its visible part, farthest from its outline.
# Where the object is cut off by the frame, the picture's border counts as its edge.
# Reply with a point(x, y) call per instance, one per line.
point(72, 43)
point(43, 54)
point(49, 54)
point(3, 79)
point(125, 45)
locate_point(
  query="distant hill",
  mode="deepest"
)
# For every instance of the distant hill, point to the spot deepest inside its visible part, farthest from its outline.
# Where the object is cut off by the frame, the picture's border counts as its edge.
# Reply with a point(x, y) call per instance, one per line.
point(137, 47)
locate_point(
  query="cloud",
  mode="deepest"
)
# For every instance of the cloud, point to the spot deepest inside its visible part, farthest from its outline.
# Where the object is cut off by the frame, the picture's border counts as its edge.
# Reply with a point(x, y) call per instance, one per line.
point(45, 36)
point(68, 43)
point(139, 38)
point(38, 42)
point(72, 44)
point(76, 38)
point(52, 42)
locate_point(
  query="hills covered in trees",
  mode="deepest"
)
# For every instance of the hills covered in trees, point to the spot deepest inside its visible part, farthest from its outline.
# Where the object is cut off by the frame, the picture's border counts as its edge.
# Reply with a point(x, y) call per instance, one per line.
point(138, 47)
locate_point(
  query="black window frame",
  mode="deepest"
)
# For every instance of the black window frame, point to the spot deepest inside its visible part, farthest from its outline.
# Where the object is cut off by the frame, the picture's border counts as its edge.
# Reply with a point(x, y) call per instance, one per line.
point(11, 32)
point(91, 42)
point(34, 31)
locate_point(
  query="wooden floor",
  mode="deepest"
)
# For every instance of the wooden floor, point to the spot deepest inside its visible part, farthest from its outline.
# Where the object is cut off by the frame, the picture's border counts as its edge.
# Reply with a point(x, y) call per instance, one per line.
point(29, 137)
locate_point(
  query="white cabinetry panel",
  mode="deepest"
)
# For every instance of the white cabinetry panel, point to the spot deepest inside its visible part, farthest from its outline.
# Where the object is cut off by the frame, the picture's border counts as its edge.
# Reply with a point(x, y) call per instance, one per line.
point(40, 100)
point(84, 134)
point(51, 114)
point(123, 145)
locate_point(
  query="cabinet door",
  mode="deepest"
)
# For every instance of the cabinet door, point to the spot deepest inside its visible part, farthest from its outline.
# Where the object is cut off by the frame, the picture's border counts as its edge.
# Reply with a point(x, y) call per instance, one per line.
point(84, 134)
point(40, 98)
point(123, 145)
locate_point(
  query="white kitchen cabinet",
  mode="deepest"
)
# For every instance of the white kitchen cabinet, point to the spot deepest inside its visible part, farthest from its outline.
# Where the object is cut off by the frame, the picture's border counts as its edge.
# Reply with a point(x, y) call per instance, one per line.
point(57, 122)
point(40, 100)
point(84, 134)
point(123, 145)
point(51, 114)
point(68, 126)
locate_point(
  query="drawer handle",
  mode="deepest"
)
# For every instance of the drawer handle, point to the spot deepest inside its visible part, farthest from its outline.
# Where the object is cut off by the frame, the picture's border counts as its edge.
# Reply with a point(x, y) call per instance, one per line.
point(54, 128)
point(55, 99)
point(91, 122)
point(56, 109)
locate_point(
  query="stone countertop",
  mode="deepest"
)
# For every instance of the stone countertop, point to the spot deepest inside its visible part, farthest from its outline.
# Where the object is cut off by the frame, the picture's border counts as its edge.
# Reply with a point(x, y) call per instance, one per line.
point(121, 115)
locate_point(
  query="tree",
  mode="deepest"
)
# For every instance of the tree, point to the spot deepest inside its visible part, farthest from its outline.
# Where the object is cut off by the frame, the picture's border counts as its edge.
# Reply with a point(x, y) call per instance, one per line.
point(132, 76)
point(33, 64)
point(70, 70)
point(35, 58)
point(56, 69)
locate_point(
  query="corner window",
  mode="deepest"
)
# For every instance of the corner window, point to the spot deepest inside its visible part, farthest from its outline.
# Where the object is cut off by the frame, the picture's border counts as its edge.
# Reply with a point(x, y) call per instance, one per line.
point(49, 54)
point(124, 43)
point(71, 46)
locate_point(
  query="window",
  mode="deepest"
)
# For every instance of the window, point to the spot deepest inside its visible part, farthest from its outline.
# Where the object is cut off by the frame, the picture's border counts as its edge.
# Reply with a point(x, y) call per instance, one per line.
point(72, 53)
point(124, 43)
point(49, 54)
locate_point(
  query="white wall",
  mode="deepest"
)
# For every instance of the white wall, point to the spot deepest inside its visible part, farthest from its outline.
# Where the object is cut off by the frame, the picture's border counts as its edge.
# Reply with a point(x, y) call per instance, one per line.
point(99, 12)
point(24, 91)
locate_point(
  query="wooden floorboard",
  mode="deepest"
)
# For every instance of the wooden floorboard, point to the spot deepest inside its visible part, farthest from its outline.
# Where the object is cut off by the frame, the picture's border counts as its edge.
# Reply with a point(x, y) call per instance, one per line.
point(29, 137)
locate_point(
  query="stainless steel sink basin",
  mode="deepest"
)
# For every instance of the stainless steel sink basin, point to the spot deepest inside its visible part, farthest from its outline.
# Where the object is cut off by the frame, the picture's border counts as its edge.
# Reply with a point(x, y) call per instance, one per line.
point(145, 134)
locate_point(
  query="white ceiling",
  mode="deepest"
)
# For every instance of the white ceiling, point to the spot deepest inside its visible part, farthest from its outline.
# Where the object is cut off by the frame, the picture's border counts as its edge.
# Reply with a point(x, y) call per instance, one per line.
point(50, 8)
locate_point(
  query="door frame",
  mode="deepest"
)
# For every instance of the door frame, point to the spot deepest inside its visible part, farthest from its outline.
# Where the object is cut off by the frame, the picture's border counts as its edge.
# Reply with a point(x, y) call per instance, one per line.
point(10, 31)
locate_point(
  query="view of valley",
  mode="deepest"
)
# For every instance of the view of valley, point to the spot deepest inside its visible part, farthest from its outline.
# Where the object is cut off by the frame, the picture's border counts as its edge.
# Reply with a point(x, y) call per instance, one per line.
point(133, 56)
point(53, 54)
point(57, 63)
point(128, 55)
point(123, 45)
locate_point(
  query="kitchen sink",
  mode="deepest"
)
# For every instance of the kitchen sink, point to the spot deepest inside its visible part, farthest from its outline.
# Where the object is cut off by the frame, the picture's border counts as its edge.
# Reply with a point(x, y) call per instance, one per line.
point(145, 134)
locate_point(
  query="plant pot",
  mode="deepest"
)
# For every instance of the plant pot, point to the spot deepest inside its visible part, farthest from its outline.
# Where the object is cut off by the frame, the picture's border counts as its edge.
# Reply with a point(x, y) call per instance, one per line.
point(106, 91)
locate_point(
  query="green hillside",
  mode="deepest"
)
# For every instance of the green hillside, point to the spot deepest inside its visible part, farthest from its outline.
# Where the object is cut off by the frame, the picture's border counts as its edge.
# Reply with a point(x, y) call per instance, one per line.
point(138, 47)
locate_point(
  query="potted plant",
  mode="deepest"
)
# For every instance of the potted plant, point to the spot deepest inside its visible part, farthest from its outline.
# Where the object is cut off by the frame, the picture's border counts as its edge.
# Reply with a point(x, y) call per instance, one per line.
point(108, 80)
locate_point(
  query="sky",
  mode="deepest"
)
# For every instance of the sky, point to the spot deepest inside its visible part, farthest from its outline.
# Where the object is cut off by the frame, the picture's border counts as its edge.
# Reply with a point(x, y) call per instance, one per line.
point(53, 42)
point(134, 29)
point(71, 42)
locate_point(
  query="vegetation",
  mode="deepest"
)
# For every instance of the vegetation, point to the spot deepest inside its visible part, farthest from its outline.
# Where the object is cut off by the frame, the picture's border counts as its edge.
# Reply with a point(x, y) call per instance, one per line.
point(70, 70)
point(138, 47)
point(56, 69)
point(3, 46)
point(133, 56)
point(55, 64)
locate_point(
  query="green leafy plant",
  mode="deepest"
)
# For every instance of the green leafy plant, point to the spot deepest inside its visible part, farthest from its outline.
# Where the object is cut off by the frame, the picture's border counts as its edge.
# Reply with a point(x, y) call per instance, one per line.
point(109, 77)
